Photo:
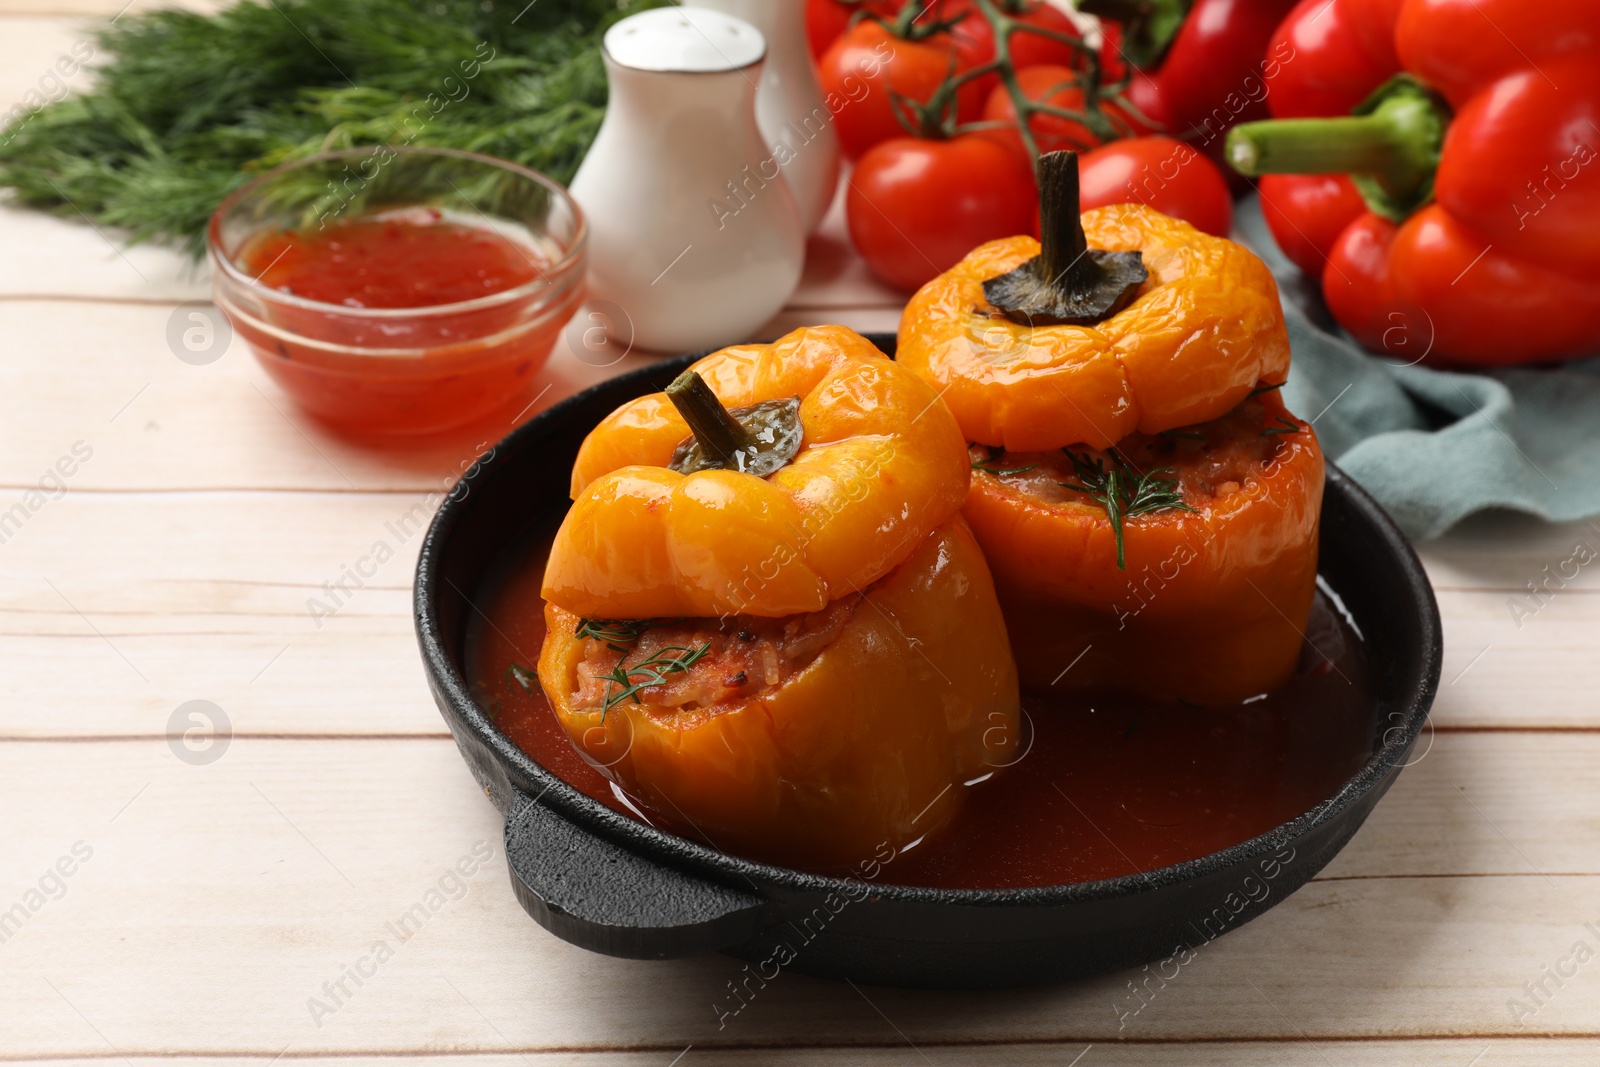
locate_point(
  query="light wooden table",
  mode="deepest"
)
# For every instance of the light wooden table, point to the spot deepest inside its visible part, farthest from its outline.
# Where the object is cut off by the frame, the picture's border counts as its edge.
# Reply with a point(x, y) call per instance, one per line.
point(209, 902)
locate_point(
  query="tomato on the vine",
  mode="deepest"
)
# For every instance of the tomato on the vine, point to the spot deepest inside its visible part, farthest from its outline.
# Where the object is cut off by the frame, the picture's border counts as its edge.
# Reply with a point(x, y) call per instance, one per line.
point(972, 36)
point(869, 62)
point(1028, 49)
point(1159, 172)
point(915, 207)
point(1035, 49)
point(1053, 85)
point(826, 20)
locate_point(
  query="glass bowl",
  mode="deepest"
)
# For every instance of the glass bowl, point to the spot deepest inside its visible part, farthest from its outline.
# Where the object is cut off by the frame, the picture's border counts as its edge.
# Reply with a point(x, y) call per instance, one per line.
point(401, 370)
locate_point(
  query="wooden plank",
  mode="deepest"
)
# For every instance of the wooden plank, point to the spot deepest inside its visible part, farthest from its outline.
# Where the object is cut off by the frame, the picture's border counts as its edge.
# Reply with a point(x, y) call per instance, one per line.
point(1473, 805)
point(107, 8)
point(73, 259)
point(210, 596)
point(1474, 555)
point(230, 892)
point(1519, 601)
point(29, 50)
point(1526, 1052)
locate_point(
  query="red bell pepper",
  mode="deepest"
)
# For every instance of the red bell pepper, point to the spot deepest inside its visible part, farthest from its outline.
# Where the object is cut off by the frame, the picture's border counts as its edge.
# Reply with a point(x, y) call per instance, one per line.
point(1306, 214)
point(1199, 63)
point(1475, 145)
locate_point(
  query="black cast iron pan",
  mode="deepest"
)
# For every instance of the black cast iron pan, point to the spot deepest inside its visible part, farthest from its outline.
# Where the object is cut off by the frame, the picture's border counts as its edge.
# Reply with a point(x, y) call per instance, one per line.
point(614, 885)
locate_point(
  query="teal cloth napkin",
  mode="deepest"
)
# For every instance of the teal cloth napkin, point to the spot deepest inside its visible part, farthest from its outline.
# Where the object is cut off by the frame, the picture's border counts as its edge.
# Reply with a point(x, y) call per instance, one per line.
point(1435, 446)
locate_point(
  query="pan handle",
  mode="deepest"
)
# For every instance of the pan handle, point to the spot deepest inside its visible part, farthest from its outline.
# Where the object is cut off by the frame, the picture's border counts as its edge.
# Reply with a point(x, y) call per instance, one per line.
point(604, 898)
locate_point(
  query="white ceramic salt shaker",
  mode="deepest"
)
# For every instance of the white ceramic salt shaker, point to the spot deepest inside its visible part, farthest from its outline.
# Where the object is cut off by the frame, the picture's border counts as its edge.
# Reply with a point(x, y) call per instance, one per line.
point(694, 234)
point(796, 123)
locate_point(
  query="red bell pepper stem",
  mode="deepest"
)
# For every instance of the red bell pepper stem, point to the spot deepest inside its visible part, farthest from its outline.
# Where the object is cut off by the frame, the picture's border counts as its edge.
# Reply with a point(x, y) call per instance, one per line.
point(1394, 146)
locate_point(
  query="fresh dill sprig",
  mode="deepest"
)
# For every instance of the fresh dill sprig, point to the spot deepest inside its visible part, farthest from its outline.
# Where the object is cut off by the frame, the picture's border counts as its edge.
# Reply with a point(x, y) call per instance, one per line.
point(988, 465)
point(1123, 492)
point(518, 676)
point(1284, 426)
point(673, 659)
point(618, 634)
point(1258, 390)
point(186, 107)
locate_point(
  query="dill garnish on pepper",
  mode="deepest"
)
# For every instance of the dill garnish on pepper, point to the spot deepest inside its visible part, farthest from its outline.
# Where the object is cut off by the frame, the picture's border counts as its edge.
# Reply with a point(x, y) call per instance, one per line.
point(1123, 491)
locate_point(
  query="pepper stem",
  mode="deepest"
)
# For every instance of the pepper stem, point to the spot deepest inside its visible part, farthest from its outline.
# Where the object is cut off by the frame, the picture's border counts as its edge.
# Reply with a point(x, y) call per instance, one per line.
point(717, 431)
point(1062, 242)
point(1390, 147)
point(1067, 283)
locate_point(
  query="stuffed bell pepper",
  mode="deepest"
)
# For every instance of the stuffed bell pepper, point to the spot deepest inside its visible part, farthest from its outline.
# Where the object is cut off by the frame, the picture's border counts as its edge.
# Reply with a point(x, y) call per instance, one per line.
point(765, 595)
point(1147, 505)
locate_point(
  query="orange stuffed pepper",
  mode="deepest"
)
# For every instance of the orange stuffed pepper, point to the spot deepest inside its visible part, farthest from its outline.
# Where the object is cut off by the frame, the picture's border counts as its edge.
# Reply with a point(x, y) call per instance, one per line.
point(765, 597)
point(1147, 505)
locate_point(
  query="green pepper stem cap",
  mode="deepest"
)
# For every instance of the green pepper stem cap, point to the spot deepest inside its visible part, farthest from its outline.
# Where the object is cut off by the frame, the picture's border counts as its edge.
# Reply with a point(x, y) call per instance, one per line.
point(1389, 146)
point(757, 439)
point(718, 432)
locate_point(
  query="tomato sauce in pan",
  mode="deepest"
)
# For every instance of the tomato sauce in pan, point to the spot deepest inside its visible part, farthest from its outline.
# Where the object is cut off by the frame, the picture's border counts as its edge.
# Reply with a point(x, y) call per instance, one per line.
point(1108, 785)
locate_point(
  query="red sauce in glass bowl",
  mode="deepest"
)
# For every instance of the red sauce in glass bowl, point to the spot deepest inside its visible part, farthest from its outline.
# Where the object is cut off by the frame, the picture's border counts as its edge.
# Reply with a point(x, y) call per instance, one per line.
point(425, 296)
point(1109, 785)
point(404, 259)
